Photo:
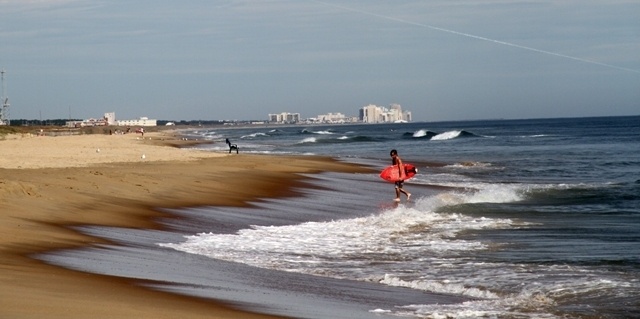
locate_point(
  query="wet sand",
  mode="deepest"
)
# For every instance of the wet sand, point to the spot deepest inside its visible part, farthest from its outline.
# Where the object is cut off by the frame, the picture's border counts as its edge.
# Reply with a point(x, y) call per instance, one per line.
point(50, 185)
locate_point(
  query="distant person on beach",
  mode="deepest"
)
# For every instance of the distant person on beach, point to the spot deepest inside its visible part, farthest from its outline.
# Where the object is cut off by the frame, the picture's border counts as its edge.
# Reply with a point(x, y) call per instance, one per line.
point(397, 161)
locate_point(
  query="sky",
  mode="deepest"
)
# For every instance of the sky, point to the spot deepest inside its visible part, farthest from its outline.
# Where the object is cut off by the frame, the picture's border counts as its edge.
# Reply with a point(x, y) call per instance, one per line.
point(242, 60)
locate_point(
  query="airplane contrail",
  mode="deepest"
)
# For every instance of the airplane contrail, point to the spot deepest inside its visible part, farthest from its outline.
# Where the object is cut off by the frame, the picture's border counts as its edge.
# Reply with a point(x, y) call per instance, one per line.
point(468, 35)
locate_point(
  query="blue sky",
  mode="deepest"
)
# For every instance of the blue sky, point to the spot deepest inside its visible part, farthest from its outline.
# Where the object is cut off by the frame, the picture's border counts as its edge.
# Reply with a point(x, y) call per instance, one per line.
point(441, 59)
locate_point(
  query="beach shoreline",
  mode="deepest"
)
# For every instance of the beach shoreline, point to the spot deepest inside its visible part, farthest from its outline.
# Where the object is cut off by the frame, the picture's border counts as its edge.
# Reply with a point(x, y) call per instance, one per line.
point(50, 185)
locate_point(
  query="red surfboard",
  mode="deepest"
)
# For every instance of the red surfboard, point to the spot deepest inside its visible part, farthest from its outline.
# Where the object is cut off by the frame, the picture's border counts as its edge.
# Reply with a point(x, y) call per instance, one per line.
point(391, 174)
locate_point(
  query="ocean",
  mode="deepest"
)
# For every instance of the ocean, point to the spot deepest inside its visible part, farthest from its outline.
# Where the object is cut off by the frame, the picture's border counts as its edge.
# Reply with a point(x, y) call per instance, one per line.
point(535, 218)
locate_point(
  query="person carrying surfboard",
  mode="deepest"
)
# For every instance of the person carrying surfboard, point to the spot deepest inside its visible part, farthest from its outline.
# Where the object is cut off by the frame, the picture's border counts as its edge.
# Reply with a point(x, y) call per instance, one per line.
point(397, 162)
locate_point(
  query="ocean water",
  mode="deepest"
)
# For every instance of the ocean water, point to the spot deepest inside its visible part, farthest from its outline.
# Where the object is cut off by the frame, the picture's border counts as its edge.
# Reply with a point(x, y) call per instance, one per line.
point(516, 218)
point(533, 219)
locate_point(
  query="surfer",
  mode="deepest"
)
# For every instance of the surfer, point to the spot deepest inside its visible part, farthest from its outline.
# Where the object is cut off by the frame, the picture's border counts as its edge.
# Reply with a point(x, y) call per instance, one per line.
point(397, 161)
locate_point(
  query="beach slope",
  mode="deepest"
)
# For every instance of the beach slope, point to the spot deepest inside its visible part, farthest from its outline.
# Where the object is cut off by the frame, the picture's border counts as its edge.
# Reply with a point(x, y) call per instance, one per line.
point(50, 184)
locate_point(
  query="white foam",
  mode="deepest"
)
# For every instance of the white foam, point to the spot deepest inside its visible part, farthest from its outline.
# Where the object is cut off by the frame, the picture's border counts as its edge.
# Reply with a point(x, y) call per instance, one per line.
point(420, 133)
point(474, 192)
point(314, 247)
point(442, 286)
point(495, 193)
point(380, 311)
point(446, 135)
point(417, 248)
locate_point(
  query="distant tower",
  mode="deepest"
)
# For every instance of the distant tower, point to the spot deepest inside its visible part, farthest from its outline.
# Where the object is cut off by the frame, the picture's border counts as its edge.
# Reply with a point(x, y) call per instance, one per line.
point(4, 112)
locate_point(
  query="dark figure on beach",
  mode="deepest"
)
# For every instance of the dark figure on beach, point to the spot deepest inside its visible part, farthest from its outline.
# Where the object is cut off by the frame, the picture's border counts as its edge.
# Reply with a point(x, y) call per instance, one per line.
point(397, 161)
point(232, 147)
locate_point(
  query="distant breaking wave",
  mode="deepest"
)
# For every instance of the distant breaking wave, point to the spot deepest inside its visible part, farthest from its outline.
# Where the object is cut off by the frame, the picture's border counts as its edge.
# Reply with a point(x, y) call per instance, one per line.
point(420, 134)
point(341, 139)
point(326, 132)
point(434, 136)
point(451, 135)
point(308, 140)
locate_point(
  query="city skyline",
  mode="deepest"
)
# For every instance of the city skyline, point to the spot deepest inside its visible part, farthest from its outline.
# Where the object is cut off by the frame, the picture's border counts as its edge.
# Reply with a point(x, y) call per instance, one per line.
point(368, 114)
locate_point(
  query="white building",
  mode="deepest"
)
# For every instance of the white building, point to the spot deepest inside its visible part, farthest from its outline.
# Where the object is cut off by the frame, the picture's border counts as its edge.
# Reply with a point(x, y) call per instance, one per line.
point(107, 119)
point(370, 114)
point(87, 123)
point(110, 118)
point(143, 121)
point(333, 118)
point(377, 114)
point(284, 117)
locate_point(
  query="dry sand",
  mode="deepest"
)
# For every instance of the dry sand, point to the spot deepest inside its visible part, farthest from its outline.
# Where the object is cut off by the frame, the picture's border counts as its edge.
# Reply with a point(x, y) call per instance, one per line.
point(48, 184)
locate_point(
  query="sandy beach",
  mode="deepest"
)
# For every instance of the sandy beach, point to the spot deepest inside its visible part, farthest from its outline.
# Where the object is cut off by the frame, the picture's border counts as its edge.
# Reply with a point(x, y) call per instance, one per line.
point(50, 184)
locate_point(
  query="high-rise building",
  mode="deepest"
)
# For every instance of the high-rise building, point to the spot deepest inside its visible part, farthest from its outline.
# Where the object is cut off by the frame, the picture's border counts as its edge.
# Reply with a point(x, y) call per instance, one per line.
point(377, 114)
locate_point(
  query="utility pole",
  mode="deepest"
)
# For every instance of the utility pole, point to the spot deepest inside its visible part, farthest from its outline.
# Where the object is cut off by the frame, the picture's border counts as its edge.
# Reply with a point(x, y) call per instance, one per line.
point(4, 100)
